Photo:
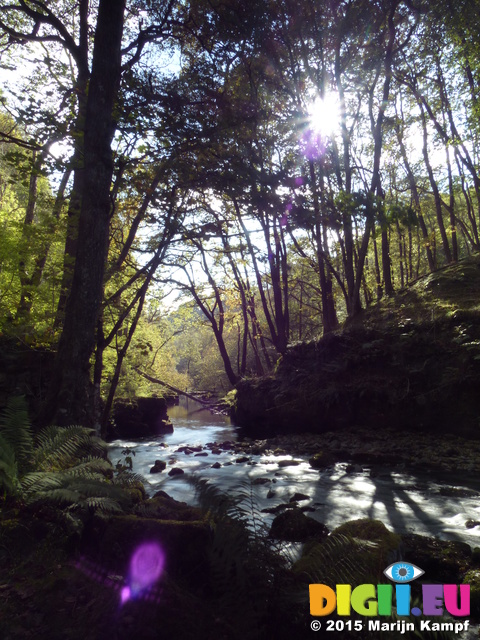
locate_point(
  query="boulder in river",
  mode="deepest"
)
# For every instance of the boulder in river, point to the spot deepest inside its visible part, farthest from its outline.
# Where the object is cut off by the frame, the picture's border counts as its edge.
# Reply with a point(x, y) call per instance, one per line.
point(158, 467)
point(294, 526)
point(140, 417)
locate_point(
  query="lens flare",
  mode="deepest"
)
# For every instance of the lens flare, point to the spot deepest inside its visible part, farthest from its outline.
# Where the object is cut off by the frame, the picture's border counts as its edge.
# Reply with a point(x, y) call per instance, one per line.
point(322, 118)
point(146, 566)
point(125, 594)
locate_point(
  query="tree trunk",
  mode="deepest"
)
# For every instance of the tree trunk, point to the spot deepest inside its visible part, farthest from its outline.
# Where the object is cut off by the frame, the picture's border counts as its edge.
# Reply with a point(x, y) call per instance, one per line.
point(70, 397)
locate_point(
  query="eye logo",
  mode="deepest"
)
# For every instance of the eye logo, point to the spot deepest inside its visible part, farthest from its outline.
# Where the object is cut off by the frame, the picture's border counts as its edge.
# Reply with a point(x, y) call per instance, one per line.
point(403, 572)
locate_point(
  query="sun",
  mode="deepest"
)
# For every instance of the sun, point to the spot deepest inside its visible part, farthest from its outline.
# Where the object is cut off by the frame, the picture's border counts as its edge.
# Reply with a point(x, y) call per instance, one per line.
point(323, 114)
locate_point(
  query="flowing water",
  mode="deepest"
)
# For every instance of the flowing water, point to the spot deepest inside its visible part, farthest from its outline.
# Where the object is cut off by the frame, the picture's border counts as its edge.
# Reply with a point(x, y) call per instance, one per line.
point(403, 501)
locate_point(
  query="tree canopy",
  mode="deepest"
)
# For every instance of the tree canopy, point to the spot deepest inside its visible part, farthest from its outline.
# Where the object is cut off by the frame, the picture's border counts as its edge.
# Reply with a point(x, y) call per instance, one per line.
point(276, 167)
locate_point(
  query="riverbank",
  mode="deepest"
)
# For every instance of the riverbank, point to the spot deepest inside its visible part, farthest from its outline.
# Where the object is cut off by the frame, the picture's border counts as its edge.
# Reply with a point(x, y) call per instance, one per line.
point(372, 446)
point(410, 363)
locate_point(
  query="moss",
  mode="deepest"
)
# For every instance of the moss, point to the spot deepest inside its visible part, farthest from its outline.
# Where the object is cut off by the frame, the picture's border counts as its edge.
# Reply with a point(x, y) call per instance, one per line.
point(476, 556)
point(388, 544)
point(322, 460)
point(373, 530)
point(113, 539)
point(356, 552)
point(473, 579)
point(442, 560)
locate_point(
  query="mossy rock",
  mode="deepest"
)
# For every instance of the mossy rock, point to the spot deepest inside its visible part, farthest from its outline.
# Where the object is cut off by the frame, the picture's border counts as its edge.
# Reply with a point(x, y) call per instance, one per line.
point(140, 417)
point(473, 579)
point(137, 492)
point(163, 507)
point(322, 460)
point(372, 530)
point(113, 539)
point(357, 552)
point(442, 560)
point(295, 526)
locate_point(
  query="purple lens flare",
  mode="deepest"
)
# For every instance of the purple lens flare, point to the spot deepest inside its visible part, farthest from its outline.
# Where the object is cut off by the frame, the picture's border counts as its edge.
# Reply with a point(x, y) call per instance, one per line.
point(146, 567)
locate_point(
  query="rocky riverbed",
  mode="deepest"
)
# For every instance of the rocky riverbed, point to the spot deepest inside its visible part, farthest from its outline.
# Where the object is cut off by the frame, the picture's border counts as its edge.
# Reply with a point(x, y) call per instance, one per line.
point(399, 449)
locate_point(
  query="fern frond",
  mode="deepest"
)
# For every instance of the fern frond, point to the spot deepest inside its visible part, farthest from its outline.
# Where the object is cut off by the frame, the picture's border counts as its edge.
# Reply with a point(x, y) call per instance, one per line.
point(16, 430)
point(62, 496)
point(62, 447)
point(212, 500)
point(91, 465)
point(67, 490)
point(103, 504)
point(127, 479)
point(8, 478)
point(38, 481)
point(339, 559)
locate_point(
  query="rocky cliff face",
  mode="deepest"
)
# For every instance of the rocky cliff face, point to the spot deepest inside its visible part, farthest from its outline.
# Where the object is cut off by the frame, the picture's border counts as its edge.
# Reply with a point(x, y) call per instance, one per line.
point(412, 362)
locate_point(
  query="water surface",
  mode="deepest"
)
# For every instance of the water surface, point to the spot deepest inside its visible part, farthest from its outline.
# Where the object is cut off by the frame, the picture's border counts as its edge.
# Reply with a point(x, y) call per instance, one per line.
point(405, 502)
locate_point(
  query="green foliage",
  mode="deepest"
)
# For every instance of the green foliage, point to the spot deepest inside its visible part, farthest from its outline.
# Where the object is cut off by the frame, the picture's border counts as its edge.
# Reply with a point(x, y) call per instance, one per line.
point(59, 447)
point(65, 466)
point(340, 559)
point(16, 431)
point(8, 468)
point(245, 566)
point(16, 444)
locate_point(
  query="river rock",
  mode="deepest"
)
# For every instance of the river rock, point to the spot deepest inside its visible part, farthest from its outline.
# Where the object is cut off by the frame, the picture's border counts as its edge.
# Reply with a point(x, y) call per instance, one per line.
point(158, 467)
point(289, 463)
point(294, 526)
point(322, 460)
point(164, 507)
point(299, 496)
point(176, 471)
point(140, 417)
point(442, 560)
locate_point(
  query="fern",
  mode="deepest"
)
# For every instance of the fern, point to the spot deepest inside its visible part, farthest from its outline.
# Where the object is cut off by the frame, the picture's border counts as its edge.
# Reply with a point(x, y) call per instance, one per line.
point(91, 465)
point(339, 559)
point(127, 479)
point(67, 467)
point(103, 504)
point(8, 468)
point(61, 447)
point(67, 489)
point(16, 431)
point(243, 565)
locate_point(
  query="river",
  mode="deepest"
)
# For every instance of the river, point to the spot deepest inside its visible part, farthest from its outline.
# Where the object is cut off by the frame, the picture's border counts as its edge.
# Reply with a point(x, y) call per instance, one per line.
point(404, 502)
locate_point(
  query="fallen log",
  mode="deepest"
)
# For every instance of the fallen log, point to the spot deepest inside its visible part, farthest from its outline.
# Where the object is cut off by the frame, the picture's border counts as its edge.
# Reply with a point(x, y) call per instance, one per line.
point(205, 403)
